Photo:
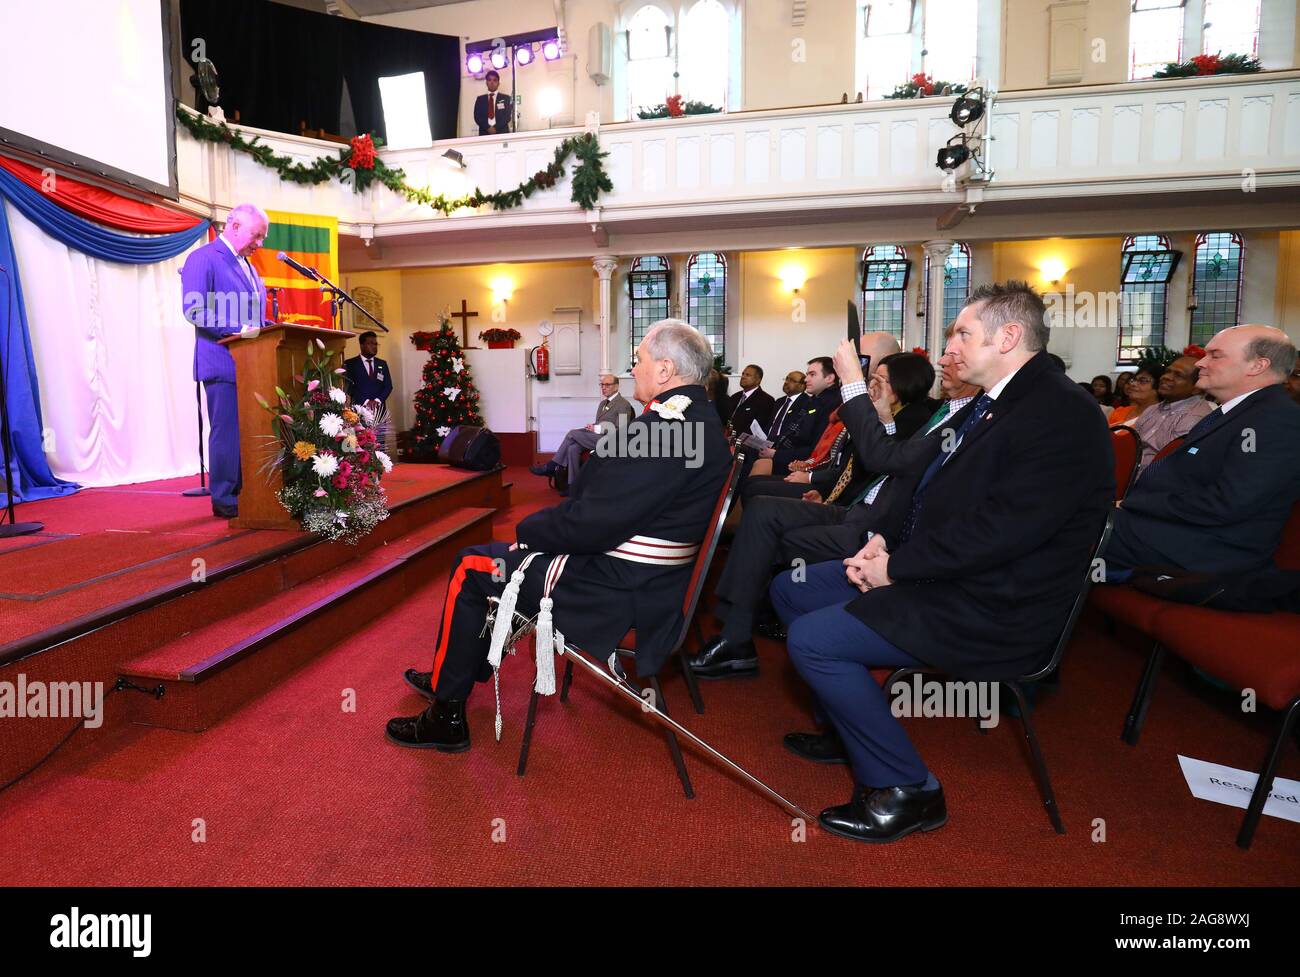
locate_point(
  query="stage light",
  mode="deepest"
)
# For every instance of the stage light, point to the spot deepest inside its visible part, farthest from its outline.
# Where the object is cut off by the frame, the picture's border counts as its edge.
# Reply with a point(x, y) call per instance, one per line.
point(950, 156)
point(524, 55)
point(551, 49)
point(499, 59)
point(968, 108)
point(474, 63)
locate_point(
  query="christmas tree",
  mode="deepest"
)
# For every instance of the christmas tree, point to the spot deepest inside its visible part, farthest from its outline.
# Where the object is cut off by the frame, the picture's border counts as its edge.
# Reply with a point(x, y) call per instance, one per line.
point(448, 396)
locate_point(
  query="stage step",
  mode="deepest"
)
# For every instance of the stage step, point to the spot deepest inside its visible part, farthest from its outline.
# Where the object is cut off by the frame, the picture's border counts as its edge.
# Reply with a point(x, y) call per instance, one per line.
point(210, 671)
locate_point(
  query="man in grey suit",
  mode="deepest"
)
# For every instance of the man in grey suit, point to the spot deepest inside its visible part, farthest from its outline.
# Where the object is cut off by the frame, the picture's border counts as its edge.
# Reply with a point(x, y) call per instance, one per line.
point(569, 454)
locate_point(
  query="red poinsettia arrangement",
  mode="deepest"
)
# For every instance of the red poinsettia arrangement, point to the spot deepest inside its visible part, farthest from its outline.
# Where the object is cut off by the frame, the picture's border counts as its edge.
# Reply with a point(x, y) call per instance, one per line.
point(1194, 351)
point(363, 153)
point(1207, 64)
point(675, 106)
point(924, 83)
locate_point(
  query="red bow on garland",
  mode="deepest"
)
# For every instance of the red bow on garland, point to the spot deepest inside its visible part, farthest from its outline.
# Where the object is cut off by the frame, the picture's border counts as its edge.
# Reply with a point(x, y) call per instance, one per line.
point(363, 153)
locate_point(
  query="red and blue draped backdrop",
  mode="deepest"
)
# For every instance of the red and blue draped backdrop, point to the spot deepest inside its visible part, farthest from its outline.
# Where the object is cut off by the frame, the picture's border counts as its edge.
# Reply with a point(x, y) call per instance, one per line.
point(79, 219)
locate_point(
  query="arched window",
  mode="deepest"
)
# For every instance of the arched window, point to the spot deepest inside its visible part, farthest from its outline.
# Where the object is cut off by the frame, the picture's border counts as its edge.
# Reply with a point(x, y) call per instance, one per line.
point(649, 58)
point(706, 298)
point(1155, 36)
point(704, 52)
point(900, 38)
point(1216, 283)
point(956, 283)
point(647, 286)
point(884, 289)
point(950, 31)
point(1231, 27)
point(1147, 262)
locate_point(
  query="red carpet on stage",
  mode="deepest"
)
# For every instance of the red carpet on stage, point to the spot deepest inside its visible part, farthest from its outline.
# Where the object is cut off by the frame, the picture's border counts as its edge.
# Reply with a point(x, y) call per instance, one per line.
point(292, 789)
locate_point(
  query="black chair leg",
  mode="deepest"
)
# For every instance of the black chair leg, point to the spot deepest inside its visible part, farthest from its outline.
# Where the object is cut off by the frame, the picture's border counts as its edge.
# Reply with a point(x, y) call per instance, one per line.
point(692, 683)
point(1036, 754)
point(567, 681)
point(1265, 783)
point(673, 747)
point(528, 734)
point(1137, 712)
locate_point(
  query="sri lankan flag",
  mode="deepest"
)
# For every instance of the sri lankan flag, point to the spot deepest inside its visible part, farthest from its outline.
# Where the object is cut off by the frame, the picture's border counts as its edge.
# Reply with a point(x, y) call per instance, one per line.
point(312, 241)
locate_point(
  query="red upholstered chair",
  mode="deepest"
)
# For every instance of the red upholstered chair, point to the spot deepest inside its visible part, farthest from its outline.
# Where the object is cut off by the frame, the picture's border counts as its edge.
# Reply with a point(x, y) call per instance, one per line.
point(1248, 651)
point(627, 646)
point(1017, 686)
point(1128, 452)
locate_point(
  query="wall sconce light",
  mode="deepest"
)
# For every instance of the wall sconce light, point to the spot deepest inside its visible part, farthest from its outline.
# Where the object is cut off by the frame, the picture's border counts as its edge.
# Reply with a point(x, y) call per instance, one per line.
point(793, 278)
point(502, 289)
point(1053, 270)
point(454, 158)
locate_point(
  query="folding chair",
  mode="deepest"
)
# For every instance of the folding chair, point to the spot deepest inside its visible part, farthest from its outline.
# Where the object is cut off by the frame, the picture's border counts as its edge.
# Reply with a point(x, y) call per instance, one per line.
point(627, 646)
point(1128, 453)
point(1016, 686)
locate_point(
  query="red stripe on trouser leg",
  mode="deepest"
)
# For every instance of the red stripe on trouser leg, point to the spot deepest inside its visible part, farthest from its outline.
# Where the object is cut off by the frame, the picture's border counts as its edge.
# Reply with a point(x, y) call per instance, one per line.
point(485, 564)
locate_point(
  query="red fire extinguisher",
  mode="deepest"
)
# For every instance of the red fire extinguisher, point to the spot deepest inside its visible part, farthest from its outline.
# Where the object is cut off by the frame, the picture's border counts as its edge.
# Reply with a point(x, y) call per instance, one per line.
point(540, 359)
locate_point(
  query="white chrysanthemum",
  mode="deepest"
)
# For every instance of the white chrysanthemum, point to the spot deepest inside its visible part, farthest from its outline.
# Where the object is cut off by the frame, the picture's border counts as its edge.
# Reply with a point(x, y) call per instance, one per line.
point(338, 396)
point(325, 465)
point(331, 424)
point(385, 461)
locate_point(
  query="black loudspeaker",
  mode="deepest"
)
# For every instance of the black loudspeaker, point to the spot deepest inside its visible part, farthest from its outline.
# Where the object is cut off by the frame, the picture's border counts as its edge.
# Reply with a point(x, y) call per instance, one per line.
point(467, 446)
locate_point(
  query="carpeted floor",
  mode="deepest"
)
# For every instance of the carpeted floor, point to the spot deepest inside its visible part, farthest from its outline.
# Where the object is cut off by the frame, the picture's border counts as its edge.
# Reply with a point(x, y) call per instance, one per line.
point(293, 789)
point(103, 545)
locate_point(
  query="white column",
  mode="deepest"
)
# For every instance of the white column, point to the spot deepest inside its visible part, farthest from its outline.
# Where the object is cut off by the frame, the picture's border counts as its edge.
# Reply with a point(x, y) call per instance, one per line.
point(605, 267)
point(937, 252)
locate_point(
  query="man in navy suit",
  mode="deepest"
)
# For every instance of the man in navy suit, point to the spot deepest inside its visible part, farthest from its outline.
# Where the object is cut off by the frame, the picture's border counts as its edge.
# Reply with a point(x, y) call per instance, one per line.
point(492, 111)
point(369, 379)
point(973, 571)
point(1217, 505)
point(223, 296)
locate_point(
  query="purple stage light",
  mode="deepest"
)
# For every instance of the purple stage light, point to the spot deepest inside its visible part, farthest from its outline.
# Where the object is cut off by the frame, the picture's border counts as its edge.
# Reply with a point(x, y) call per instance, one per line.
point(474, 63)
point(551, 50)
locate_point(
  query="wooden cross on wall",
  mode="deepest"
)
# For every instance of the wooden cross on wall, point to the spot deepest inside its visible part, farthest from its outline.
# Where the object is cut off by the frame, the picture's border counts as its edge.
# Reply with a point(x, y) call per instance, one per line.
point(464, 315)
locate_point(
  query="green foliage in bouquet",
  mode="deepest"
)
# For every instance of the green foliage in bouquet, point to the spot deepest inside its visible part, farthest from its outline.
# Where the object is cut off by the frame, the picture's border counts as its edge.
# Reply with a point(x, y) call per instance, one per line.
point(327, 449)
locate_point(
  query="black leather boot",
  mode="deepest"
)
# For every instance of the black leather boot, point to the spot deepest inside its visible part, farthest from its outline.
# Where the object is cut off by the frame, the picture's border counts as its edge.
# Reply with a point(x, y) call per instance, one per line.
point(440, 727)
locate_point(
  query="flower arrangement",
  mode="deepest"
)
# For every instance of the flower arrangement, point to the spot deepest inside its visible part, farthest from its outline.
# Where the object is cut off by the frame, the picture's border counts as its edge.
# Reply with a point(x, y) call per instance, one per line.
point(495, 335)
point(1210, 64)
point(326, 447)
point(920, 85)
point(363, 152)
point(674, 107)
point(1194, 351)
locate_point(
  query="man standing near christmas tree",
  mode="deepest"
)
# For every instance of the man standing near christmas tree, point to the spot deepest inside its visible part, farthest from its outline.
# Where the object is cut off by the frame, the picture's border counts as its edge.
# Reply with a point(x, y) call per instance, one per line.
point(627, 539)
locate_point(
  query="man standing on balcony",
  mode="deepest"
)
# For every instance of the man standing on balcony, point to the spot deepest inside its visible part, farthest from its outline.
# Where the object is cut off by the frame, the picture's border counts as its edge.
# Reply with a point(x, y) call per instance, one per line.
point(492, 111)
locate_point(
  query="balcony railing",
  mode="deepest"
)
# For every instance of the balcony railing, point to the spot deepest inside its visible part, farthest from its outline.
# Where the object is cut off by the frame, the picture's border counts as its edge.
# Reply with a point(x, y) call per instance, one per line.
point(1147, 137)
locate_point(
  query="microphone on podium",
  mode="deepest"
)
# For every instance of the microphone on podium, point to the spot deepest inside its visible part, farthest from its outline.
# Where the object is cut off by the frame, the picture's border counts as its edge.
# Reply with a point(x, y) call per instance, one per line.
point(300, 269)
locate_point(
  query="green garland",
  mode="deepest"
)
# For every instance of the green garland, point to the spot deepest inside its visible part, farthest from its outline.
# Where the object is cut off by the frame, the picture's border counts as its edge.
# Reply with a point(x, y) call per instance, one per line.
point(589, 177)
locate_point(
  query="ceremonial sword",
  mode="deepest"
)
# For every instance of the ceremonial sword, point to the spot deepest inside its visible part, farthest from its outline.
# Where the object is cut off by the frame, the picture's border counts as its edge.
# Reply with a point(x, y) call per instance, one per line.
point(615, 678)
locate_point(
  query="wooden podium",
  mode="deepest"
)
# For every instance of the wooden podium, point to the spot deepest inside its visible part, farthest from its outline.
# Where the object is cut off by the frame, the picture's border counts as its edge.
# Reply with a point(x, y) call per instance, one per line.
point(263, 362)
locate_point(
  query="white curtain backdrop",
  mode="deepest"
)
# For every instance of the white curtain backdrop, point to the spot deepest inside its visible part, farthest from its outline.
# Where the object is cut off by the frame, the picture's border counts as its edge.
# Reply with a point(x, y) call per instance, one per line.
point(114, 359)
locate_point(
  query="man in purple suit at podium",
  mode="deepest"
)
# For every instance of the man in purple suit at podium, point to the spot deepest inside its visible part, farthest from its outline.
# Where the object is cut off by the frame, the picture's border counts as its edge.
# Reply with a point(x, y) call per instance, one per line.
point(222, 296)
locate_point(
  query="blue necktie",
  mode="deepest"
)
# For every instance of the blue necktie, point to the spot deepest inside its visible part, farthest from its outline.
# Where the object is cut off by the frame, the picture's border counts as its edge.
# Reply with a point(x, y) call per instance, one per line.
point(977, 411)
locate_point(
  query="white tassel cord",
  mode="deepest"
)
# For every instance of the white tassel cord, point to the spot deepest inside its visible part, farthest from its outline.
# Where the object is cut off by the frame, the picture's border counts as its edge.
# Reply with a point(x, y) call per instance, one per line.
point(548, 639)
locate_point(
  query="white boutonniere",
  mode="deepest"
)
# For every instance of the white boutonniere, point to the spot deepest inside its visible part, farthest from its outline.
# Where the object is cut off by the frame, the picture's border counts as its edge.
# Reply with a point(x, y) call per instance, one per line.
point(672, 408)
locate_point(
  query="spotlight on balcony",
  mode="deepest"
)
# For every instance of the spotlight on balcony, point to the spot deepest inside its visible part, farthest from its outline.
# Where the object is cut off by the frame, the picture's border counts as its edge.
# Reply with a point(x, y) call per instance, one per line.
point(499, 59)
point(952, 156)
point(474, 64)
point(551, 49)
point(968, 108)
point(524, 55)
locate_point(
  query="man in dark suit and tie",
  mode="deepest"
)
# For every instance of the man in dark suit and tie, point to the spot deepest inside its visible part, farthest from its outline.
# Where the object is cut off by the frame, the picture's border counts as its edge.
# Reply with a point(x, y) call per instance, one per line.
point(1217, 505)
point(751, 402)
point(492, 111)
point(973, 572)
point(223, 296)
point(612, 410)
point(369, 379)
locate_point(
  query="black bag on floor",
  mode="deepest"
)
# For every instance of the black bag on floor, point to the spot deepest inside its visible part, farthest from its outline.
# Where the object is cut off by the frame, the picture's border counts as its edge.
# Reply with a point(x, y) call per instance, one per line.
point(467, 446)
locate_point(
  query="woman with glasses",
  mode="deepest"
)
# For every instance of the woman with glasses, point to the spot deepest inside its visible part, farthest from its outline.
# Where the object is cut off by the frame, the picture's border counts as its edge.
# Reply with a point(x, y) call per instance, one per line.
point(1143, 393)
